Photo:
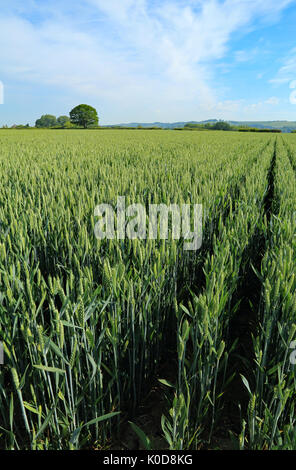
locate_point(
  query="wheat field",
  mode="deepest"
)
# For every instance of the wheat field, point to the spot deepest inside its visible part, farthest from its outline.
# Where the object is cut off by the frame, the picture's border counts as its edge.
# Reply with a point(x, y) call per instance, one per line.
point(106, 339)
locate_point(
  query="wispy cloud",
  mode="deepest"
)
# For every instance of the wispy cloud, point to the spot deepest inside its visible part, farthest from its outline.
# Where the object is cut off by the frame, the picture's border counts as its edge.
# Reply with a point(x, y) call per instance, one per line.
point(247, 55)
point(273, 100)
point(261, 105)
point(287, 71)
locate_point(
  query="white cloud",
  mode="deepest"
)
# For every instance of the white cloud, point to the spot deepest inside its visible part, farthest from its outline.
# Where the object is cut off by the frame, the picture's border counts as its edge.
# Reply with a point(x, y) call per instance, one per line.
point(136, 54)
point(261, 105)
point(288, 70)
point(273, 100)
point(226, 109)
point(246, 55)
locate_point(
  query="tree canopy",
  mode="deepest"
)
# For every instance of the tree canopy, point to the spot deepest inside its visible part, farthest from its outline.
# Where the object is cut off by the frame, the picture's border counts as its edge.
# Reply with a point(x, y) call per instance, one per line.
point(62, 120)
point(84, 115)
point(222, 126)
point(47, 120)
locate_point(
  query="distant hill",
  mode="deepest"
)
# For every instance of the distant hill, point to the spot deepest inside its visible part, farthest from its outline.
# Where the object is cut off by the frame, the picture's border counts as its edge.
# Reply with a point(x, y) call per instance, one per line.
point(285, 126)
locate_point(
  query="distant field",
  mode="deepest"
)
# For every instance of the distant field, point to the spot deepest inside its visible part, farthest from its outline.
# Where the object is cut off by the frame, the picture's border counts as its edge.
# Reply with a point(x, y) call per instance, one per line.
point(195, 348)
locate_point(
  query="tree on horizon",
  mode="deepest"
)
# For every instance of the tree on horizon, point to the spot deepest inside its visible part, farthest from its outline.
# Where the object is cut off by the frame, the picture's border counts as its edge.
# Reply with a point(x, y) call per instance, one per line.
point(47, 120)
point(84, 115)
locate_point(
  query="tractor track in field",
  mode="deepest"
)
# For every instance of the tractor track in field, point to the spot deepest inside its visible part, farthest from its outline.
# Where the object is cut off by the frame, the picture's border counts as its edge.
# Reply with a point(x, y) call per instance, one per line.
point(246, 320)
point(211, 229)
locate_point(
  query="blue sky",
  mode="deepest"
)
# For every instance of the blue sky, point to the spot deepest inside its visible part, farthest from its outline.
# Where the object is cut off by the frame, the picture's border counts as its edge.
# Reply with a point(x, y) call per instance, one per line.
point(149, 60)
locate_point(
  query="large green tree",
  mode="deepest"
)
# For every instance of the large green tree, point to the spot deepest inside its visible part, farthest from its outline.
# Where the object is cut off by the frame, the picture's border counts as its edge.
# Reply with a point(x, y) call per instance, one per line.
point(47, 120)
point(84, 115)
